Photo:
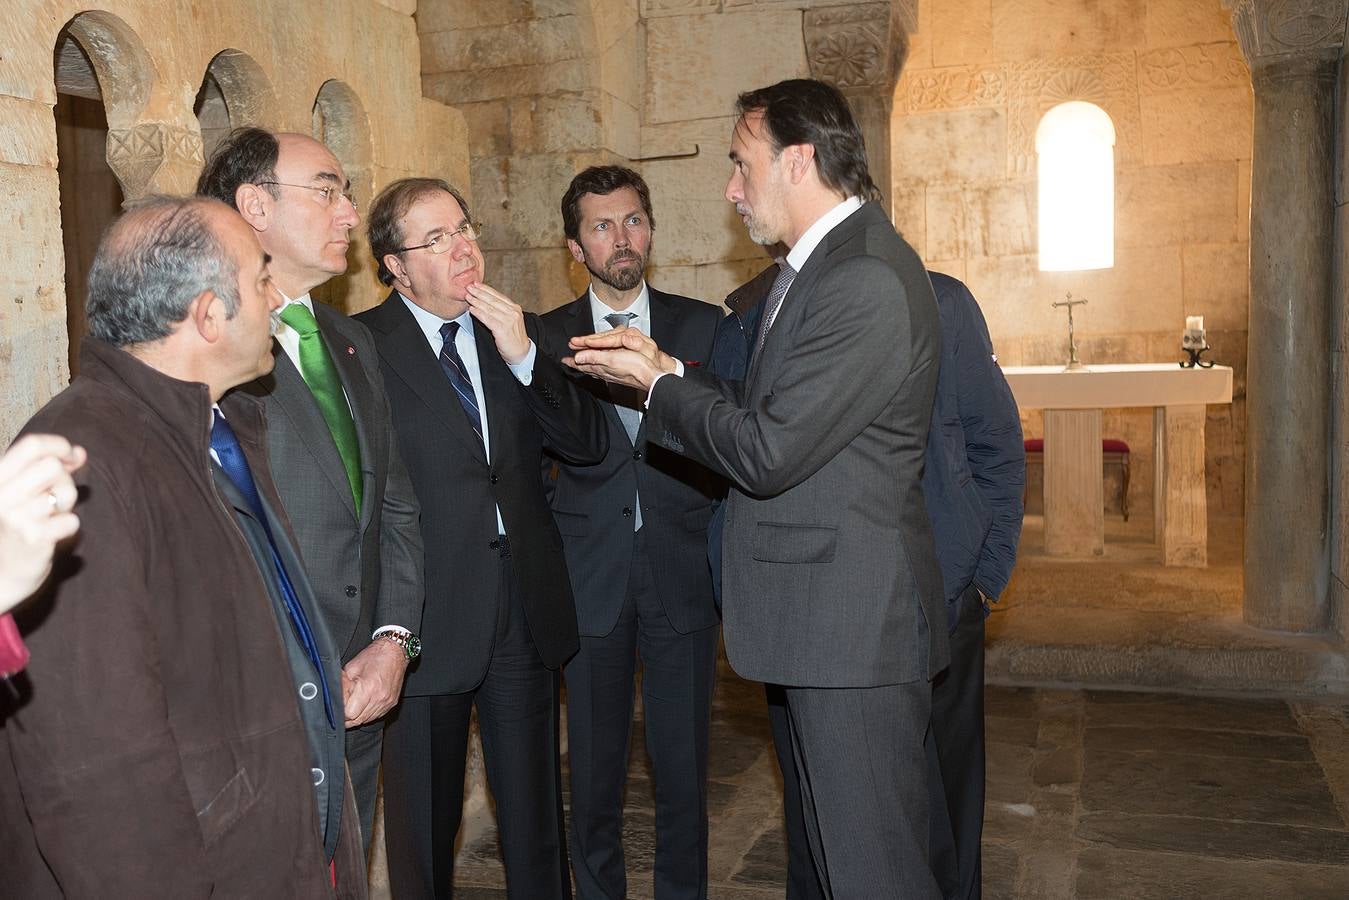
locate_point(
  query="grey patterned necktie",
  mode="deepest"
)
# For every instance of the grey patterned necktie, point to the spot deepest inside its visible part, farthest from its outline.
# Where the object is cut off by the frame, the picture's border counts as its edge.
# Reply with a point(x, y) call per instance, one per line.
point(626, 403)
point(781, 284)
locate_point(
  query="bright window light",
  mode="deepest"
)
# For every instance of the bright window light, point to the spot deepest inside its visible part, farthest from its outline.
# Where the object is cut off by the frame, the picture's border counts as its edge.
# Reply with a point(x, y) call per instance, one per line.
point(1076, 147)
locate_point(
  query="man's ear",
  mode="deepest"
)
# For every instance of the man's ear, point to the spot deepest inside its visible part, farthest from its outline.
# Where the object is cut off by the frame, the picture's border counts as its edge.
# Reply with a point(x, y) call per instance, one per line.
point(799, 160)
point(395, 267)
point(255, 205)
point(576, 252)
point(206, 314)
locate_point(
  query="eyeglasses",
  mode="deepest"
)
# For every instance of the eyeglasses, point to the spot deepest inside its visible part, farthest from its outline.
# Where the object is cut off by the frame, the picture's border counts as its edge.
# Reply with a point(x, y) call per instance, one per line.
point(331, 193)
point(443, 241)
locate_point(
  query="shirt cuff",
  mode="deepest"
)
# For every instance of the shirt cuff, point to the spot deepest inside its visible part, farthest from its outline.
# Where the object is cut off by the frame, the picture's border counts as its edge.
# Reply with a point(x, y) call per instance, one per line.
point(390, 629)
point(524, 369)
point(679, 372)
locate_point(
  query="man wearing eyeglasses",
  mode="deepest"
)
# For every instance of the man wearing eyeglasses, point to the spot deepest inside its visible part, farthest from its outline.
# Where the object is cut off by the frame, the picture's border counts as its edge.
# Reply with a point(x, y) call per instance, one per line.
point(330, 441)
point(475, 404)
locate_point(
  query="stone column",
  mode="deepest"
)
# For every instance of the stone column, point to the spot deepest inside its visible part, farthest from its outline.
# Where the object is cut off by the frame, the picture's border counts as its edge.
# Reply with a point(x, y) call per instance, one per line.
point(860, 49)
point(1292, 47)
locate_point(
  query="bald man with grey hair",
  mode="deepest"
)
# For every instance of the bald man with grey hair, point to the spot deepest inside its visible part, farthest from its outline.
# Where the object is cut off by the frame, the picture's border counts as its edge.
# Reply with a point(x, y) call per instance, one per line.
point(169, 739)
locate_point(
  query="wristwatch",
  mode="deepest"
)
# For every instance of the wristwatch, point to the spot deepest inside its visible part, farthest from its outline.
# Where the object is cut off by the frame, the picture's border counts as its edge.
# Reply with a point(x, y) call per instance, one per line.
point(411, 644)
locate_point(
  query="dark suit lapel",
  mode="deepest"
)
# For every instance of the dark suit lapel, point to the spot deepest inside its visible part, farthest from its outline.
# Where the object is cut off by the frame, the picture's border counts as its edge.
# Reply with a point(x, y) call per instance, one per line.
point(293, 398)
point(357, 387)
point(499, 385)
point(406, 351)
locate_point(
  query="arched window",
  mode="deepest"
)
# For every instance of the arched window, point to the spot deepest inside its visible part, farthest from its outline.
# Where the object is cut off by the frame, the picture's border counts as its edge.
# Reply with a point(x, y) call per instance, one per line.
point(1075, 143)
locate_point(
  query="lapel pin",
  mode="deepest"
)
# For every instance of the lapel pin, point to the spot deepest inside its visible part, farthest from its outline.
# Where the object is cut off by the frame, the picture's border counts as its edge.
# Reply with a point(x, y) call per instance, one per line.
point(692, 362)
point(351, 351)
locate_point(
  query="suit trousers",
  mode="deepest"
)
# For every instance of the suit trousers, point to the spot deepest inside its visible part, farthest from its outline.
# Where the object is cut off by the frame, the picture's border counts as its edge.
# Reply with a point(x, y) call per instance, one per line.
point(425, 752)
point(364, 745)
point(678, 672)
point(955, 753)
point(863, 782)
point(803, 883)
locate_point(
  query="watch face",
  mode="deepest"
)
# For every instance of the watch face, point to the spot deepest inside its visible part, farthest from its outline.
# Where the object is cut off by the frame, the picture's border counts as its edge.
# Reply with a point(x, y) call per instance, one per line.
point(413, 647)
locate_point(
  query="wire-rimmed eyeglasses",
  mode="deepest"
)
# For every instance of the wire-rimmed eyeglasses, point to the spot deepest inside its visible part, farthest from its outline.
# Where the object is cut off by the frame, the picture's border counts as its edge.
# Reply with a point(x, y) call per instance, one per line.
point(331, 193)
point(471, 231)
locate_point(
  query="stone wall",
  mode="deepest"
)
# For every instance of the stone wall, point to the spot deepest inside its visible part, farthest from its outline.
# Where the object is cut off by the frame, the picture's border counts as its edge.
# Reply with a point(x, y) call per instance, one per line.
point(548, 87)
point(271, 60)
point(979, 76)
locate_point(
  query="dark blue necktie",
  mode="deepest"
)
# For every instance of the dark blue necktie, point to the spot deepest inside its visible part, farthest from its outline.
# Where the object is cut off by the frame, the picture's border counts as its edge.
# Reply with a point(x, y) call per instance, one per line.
point(231, 455)
point(458, 375)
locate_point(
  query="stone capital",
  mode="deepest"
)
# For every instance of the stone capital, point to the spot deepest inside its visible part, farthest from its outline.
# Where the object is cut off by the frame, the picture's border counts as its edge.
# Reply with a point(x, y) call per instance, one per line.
point(1274, 30)
point(859, 47)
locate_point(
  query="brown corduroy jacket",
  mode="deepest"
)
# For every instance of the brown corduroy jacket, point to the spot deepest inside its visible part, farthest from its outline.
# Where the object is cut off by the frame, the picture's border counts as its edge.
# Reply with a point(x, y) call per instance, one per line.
point(159, 751)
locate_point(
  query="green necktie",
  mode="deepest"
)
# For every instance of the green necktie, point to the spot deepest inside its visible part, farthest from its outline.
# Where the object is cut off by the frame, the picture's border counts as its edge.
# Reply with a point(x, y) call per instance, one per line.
point(318, 371)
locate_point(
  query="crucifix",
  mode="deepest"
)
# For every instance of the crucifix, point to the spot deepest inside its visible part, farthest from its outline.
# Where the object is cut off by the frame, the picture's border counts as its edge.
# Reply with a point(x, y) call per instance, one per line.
point(1073, 362)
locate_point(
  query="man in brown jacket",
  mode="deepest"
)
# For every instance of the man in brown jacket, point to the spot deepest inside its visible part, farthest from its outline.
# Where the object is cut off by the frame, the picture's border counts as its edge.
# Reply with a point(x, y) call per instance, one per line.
point(180, 729)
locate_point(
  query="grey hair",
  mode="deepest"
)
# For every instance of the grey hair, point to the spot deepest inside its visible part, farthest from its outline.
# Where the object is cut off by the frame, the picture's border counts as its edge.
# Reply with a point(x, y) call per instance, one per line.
point(151, 264)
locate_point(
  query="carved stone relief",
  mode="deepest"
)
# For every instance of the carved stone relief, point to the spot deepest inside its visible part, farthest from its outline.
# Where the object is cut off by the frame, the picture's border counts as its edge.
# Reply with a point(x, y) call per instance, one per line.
point(1199, 66)
point(850, 45)
point(1274, 28)
point(136, 154)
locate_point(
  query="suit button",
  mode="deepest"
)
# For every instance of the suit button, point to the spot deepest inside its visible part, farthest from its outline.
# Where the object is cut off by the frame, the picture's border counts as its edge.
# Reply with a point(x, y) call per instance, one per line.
point(351, 590)
point(637, 454)
point(308, 691)
point(627, 512)
point(495, 478)
point(318, 776)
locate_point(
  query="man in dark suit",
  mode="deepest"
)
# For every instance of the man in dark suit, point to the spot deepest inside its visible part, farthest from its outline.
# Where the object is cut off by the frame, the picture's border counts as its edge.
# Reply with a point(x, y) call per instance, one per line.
point(634, 530)
point(475, 403)
point(831, 584)
point(330, 442)
point(973, 477)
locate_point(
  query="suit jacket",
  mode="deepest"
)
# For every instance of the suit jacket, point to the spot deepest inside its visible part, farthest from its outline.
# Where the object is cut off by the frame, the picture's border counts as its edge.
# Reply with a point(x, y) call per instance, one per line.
point(161, 752)
point(592, 504)
point(365, 565)
point(326, 744)
point(459, 493)
point(830, 573)
point(976, 460)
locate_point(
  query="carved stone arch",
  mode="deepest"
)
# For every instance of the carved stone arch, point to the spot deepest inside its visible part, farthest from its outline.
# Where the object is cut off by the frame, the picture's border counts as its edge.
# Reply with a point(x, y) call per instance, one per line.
point(124, 78)
point(235, 92)
point(340, 121)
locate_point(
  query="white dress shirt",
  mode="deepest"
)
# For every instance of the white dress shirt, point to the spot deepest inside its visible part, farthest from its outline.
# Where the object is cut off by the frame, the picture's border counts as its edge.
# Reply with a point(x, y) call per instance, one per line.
point(523, 371)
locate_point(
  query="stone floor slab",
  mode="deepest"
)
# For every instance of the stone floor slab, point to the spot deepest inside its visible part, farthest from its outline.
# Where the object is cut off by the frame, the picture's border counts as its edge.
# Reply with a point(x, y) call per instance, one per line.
point(1251, 790)
point(1215, 838)
point(1129, 875)
point(1200, 742)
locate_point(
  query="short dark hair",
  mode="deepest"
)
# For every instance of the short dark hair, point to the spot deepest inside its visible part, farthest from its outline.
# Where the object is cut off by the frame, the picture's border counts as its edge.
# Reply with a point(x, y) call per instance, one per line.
point(385, 228)
point(152, 262)
point(245, 156)
point(601, 180)
point(807, 111)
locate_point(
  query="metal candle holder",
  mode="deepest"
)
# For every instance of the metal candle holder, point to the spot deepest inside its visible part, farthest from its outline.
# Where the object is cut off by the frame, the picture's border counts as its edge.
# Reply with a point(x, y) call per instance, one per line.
point(1194, 343)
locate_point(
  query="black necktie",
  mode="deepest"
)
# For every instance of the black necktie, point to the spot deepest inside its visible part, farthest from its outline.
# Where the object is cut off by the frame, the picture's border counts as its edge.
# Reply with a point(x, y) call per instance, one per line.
point(458, 375)
point(232, 461)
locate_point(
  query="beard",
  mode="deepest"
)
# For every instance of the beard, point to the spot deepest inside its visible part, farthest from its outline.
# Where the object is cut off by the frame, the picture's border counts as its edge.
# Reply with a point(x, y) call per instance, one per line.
point(759, 232)
point(620, 278)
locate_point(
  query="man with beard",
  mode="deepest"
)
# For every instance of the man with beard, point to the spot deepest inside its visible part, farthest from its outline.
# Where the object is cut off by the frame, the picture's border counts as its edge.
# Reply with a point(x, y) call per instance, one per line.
point(634, 530)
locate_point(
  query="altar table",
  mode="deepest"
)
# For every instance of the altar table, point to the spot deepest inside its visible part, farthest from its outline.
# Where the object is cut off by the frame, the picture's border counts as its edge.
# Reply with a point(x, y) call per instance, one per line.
point(1073, 491)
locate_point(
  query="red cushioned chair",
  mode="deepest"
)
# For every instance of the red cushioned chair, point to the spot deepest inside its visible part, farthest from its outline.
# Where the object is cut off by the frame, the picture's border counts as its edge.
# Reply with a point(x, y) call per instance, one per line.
point(1114, 452)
